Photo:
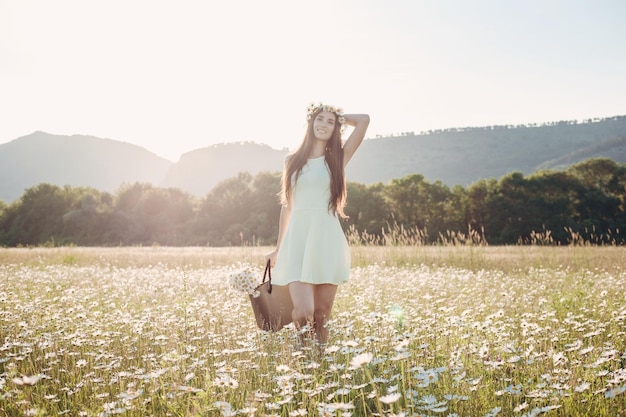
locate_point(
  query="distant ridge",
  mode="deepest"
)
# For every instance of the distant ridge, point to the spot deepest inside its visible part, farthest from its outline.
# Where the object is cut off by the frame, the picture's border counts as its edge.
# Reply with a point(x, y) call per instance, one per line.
point(75, 160)
point(199, 171)
point(452, 156)
point(463, 156)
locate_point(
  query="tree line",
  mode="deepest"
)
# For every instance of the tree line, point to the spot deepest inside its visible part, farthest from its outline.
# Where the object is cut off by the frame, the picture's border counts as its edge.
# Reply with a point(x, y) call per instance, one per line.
point(507, 127)
point(584, 203)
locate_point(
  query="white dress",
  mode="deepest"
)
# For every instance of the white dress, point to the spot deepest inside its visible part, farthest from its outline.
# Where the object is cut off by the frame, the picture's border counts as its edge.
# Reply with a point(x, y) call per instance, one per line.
point(314, 249)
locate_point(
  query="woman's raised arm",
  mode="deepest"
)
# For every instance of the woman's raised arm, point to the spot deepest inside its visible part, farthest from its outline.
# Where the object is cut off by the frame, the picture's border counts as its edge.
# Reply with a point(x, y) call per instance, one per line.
point(360, 123)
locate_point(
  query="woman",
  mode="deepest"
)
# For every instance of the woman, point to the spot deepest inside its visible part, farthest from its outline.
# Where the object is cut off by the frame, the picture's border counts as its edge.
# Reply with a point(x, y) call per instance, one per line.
point(312, 254)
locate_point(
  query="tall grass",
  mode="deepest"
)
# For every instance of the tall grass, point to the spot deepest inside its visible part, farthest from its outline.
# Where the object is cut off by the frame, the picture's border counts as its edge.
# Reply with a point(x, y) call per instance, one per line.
point(398, 235)
point(447, 330)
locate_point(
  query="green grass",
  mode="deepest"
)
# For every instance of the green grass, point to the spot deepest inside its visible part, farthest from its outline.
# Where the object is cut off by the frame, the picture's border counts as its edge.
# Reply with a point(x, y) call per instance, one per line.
point(417, 331)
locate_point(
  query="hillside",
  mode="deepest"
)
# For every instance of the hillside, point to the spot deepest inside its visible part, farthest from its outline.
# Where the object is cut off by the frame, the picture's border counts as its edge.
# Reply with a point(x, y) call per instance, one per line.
point(462, 156)
point(199, 171)
point(452, 156)
point(74, 160)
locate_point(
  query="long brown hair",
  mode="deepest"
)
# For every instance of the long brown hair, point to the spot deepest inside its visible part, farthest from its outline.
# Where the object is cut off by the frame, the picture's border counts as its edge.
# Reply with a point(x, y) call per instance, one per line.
point(333, 155)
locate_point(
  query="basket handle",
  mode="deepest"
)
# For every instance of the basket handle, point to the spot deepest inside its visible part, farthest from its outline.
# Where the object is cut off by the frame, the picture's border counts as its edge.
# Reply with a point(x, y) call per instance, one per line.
point(268, 274)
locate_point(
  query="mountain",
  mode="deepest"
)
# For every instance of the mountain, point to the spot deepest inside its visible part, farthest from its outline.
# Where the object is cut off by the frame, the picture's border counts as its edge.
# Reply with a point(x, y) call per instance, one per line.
point(457, 156)
point(199, 171)
point(74, 160)
point(463, 156)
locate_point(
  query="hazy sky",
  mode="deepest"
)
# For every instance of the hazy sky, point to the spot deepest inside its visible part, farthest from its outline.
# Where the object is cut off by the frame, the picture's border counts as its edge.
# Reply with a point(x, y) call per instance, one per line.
point(174, 76)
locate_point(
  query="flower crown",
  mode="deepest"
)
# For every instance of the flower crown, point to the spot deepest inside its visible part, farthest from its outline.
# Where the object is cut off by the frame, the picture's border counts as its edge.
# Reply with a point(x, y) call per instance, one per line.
point(325, 107)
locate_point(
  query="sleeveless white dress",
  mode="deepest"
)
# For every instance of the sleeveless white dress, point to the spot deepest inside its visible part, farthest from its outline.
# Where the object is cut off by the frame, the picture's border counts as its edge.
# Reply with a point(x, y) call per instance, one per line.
point(314, 249)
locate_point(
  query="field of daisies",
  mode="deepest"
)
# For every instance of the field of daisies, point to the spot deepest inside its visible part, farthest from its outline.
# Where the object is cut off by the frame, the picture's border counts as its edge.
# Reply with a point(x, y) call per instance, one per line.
point(417, 331)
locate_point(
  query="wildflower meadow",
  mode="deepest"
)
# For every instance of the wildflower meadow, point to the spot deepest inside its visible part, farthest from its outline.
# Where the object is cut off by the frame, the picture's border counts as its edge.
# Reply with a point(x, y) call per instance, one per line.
point(417, 331)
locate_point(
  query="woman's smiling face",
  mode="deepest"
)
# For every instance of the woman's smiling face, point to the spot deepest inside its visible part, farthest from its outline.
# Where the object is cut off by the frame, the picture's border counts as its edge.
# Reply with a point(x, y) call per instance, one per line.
point(324, 125)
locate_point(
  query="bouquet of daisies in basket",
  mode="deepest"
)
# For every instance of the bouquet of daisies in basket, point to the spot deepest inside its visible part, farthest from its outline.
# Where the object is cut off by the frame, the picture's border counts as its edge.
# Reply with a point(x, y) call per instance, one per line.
point(246, 280)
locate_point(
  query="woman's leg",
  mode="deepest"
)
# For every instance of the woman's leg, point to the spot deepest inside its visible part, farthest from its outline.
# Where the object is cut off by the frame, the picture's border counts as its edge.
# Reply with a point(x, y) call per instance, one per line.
point(302, 296)
point(324, 297)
